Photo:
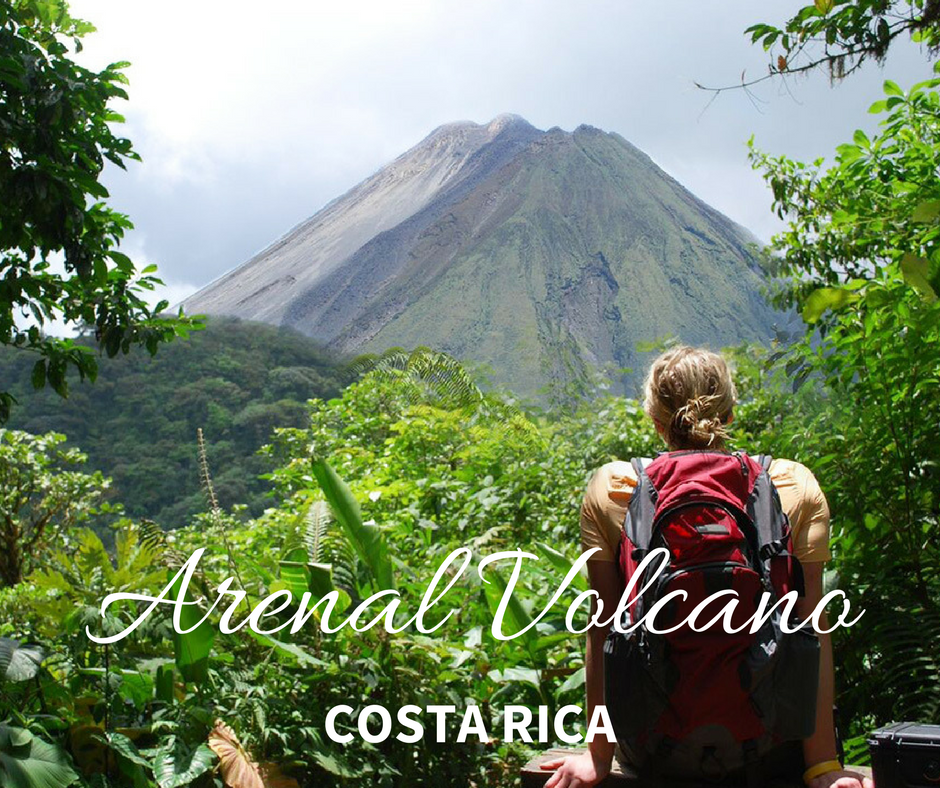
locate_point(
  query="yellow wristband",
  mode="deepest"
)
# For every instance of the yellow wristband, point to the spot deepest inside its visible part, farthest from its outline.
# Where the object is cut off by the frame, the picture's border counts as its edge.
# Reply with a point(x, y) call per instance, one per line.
point(821, 768)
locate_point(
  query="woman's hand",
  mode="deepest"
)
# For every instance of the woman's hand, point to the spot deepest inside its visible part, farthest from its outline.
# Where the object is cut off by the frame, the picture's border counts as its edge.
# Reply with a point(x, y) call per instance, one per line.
point(580, 771)
point(841, 779)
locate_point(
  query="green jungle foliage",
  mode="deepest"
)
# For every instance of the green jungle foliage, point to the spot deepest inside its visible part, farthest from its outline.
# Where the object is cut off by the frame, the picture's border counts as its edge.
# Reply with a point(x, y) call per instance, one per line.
point(861, 258)
point(420, 478)
point(374, 489)
point(377, 488)
point(137, 423)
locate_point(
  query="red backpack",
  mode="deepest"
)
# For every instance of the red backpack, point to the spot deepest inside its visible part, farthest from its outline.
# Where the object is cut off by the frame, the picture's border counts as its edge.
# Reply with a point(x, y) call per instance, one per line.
point(705, 704)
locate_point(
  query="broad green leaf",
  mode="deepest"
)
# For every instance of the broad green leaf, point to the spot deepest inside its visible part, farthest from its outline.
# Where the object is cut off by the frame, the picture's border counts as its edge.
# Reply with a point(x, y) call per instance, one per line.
point(39, 374)
point(134, 767)
point(192, 649)
point(288, 649)
point(320, 580)
point(892, 89)
point(26, 761)
point(561, 562)
point(367, 539)
point(823, 6)
point(574, 682)
point(848, 152)
point(294, 573)
point(474, 638)
point(164, 685)
point(301, 575)
point(19, 662)
point(544, 642)
point(176, 765)
point(136, 687)
point(336, 764)
point(524, 675)
point(515, 618)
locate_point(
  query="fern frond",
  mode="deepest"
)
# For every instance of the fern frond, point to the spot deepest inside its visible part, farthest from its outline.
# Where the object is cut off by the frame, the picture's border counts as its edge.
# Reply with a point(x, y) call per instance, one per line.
point(908, 640)
point(153, 539)
point(152, 536)
point(316, 528)
point(327, 544)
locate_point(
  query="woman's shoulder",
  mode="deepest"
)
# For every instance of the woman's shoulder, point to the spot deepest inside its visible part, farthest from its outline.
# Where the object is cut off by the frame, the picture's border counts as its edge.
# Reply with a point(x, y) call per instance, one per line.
point(797, 477)
point(612, 481)
point(782, 468)
point(617, 469)
point(806, 506)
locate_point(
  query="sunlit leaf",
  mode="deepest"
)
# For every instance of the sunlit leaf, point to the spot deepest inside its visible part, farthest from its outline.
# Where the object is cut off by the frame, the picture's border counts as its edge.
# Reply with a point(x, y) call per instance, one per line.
point(824, 299)
point(367, 538)
point(176, 764)
point(192, 648)
point(916, 272)
point(927, 211)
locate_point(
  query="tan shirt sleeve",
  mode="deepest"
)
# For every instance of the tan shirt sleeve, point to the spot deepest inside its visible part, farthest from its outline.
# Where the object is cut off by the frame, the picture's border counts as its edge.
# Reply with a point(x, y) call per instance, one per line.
point(806, 506)
point(604, 508)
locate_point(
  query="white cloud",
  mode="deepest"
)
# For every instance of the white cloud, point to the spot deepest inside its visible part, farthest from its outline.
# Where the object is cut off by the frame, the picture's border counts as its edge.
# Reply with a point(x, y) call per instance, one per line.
point(249, 120)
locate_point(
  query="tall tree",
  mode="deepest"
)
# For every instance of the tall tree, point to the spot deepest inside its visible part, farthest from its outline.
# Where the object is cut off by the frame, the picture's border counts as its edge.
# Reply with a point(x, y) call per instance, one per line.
point(860, 258)
point(59, 257)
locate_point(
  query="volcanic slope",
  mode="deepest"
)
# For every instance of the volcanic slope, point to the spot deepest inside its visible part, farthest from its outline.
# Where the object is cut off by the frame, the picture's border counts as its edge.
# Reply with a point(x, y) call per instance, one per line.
point(539, 253)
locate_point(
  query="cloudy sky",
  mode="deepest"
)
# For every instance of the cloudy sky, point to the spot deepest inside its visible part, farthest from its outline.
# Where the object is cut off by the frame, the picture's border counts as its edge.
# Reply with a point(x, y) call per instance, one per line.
point(250, 118)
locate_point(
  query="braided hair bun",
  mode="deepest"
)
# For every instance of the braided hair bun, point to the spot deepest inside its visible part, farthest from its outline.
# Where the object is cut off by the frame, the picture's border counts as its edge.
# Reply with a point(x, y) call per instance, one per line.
point(690, 395)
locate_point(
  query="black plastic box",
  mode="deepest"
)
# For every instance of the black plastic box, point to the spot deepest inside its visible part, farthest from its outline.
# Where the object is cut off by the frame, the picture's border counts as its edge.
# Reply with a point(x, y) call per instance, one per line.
point(905, 755)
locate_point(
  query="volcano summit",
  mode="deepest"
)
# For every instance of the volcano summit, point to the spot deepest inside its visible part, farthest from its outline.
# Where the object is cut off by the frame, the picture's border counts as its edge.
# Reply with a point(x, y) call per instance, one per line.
point(540, 253)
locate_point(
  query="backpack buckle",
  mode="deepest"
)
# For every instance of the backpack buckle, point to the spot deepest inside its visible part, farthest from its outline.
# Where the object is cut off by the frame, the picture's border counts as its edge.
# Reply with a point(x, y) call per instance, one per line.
point(772, 549)
point(710, 766)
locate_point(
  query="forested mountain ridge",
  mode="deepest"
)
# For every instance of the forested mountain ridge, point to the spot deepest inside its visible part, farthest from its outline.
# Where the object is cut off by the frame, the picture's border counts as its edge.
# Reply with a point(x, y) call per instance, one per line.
point(138, 421)
point(539, 253)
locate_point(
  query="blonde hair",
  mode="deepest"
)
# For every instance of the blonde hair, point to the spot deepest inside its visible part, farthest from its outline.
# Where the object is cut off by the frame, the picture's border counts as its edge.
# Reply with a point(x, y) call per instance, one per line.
point(690, 395)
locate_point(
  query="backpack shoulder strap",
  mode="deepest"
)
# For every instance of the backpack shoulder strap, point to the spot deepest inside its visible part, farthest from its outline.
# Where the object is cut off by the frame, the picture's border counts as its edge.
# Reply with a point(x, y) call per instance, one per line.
point(766, 512)
point(638, 523)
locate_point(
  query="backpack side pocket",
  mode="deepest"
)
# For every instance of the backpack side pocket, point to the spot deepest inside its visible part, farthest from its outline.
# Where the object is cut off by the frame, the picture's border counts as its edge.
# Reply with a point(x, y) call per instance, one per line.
point(634, 698)
point(796, 681)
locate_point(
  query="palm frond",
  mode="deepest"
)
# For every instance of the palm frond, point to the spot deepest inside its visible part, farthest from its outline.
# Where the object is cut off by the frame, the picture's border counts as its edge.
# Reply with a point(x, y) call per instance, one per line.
point(438, 377)
point(906, 639)
point(435, 378)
